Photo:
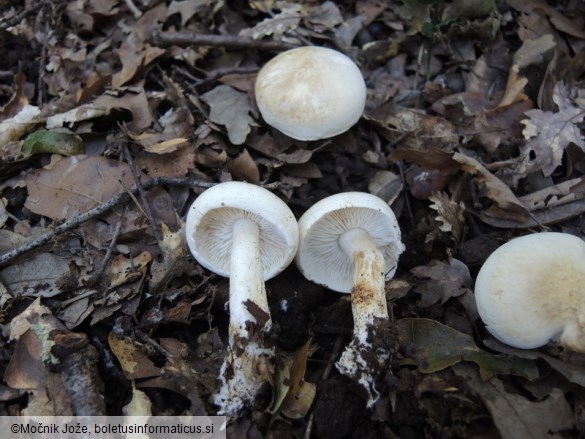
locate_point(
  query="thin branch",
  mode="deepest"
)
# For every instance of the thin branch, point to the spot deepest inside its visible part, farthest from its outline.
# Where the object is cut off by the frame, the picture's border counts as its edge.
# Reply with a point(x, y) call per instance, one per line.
point(122, 197)
point(134, 9)
point(184, 39)
point(142, 193)
point(406, 194)
point(14, 20)
point(220, 73)
point(106, 260)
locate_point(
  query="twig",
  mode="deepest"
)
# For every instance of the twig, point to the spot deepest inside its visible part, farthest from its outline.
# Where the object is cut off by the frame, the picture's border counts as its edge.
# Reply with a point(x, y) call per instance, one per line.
point(406, 196)
point(134, 9)
point(220, 73)
point(122, 197)
point(64, 303)
point(309, 427)
point(42, 64)
point(14, 20)
point(142, 193)
point(227, 41)
point(334, 354)
point(143, 337)
point(132, 197)
point(98, 273)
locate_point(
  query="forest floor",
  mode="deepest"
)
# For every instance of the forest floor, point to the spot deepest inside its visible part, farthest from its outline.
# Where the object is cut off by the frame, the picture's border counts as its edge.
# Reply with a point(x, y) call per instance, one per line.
point(115, 115)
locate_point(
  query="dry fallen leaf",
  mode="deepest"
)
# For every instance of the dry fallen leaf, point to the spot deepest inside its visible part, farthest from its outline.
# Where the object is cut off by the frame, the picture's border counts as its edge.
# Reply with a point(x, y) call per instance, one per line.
point(181, 374)
point(325, 16)
point(517, 417)
point(11, 129)
point(549, 133)
point(230, 108)
point(134, 101)
point(289, 18)
point(123, 269)
point(177, 126)
point(293, 395)
point(134, 362)
point(243, 167)
point(531, 52)
point(3, 214)
point(556, 195)
point(386, 185)
point(173, 164)
point(26, 370)
point(176, 259)
point(22, 322)
point(441, 281)
point(495, 189)
point(561, 22)
point(449, 214)
point(301, 394)
point(44, 275)
point(75, 185)
point(74, 314)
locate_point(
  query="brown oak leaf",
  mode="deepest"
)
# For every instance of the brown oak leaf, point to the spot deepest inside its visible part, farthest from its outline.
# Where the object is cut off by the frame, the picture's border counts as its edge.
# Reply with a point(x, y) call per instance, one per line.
point(549, 133)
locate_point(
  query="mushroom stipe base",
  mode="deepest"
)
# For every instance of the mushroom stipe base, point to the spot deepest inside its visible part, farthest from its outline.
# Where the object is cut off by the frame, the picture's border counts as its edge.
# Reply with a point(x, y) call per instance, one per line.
point(350, 242)
point(247, 370)
point(366, 362)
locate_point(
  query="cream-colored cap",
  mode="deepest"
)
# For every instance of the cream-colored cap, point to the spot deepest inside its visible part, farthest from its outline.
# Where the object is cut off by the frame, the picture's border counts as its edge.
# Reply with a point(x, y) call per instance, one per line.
point(311, 93)
point(211, 218)
point(531, 290)
point(320, 257)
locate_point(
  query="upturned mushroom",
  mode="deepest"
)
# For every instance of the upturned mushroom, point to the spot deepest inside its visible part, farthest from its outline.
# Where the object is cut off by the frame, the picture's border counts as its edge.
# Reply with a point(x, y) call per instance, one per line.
point(350, 243)
point(248, 234)
point(311, 93)
point(531, 291)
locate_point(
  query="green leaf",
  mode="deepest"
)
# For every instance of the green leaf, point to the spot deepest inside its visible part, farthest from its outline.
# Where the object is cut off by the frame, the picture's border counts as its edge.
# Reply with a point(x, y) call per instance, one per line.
point(57, 143)
point(439, 346)
point(428, 29)
point(414, 13)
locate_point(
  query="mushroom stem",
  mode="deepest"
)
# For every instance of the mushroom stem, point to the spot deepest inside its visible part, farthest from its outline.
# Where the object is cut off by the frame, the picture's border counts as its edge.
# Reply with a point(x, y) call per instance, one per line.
point(246, 279)
point(368, 301)
point(248, 366)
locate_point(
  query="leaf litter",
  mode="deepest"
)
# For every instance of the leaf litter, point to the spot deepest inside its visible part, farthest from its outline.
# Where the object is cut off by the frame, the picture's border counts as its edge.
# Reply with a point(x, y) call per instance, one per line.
point(473, 132)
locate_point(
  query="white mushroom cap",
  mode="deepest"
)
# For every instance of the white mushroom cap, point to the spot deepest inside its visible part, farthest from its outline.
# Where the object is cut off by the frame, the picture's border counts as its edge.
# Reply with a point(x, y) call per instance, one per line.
point(532, 290)
point(210, 224)
point(311, 93)
point(320, 257)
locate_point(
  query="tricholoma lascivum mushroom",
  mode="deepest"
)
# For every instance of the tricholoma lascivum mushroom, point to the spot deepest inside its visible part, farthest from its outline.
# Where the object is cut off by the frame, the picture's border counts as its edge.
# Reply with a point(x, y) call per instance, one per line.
point(248, 234)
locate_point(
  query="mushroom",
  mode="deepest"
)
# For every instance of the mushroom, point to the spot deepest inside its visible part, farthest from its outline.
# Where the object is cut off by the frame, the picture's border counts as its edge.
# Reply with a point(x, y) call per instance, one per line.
point(311, 93)
point(248, 234)
point(350, 243)
point(531, 291)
